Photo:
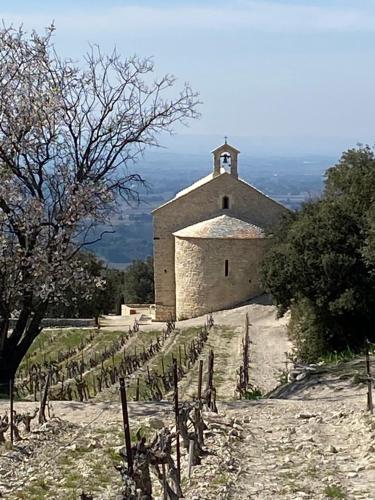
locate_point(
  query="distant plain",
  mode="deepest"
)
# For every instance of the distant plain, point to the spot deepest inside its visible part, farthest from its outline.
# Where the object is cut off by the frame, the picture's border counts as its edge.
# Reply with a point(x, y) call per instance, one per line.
point(289, 180)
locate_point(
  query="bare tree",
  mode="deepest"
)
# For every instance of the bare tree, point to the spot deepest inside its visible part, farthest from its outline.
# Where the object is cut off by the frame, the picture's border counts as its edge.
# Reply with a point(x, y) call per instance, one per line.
point(68, 135)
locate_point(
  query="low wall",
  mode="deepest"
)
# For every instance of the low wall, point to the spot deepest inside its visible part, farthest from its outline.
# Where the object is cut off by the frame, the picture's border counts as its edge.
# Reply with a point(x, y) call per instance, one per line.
point(62, 322)
point(130, 309)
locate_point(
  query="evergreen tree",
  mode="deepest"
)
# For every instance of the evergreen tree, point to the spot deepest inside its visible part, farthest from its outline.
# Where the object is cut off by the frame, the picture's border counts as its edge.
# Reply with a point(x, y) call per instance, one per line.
point(139, 282)
point(321, 264)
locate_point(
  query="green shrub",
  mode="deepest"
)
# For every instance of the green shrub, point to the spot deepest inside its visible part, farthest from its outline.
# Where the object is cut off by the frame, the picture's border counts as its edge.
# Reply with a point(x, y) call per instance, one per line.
point(306, 333)
point(253, 393)
point(334, 491)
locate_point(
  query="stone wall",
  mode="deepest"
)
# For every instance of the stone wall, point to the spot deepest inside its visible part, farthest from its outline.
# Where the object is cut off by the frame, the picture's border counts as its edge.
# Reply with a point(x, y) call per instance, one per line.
point(202, 203)
point(62, 322)
point(201, 284)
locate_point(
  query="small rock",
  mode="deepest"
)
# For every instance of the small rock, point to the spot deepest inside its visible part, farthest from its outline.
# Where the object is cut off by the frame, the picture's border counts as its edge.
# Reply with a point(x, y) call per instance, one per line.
point(234, 432)
point(351, 475)
point(306, 416)
point(155, 423)
point(340, 414)
point(93, 444)
point(332, 449)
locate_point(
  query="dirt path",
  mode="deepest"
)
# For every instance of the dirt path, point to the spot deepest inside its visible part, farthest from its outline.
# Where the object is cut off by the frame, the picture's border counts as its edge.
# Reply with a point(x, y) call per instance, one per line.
point(226, 344)
point(90, 411)
point(269, 343)
point(290, 449)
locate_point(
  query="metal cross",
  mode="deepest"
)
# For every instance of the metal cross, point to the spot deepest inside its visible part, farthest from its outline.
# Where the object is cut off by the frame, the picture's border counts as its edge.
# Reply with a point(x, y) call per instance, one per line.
point(225, 138)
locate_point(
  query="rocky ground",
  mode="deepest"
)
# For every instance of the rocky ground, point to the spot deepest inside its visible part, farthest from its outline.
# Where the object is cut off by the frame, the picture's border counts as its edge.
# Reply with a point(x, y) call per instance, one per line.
point(312, 439)
point(75, 452)
point(318, 444)
point(290, 449)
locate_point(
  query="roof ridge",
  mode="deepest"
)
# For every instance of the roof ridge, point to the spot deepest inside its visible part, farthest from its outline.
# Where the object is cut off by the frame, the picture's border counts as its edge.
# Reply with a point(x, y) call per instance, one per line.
point(210, 178)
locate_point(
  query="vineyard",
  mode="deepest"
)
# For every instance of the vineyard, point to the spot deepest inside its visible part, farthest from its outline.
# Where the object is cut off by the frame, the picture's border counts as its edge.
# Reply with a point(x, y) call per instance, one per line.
point(86, 364)
point(67, 409)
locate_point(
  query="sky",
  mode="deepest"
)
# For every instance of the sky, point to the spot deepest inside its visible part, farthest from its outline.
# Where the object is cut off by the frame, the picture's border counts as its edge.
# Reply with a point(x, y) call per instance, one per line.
point(285, 76)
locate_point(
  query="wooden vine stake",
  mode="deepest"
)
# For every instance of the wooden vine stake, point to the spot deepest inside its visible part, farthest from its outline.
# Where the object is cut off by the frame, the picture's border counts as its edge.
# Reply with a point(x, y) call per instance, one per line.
point(165, 491)
point(243, 372)
point(246, 354)
point(200, 379)
point(137, 390)
point(43, 400)
point(191, 456)
point(370, 405)
point(11, 395)
point(125, 419)
point(177, 417)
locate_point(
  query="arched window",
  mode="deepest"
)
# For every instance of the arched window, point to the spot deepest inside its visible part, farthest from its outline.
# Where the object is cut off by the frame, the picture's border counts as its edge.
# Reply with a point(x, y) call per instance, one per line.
point(226, 268)
point(225, 203)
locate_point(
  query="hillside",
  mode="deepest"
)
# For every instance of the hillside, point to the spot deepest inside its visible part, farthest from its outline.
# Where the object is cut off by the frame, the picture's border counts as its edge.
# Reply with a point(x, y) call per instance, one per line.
point(311, 439)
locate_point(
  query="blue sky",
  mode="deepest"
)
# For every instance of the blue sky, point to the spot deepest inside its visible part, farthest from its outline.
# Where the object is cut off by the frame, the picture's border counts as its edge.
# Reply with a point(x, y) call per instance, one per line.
point(301, 72)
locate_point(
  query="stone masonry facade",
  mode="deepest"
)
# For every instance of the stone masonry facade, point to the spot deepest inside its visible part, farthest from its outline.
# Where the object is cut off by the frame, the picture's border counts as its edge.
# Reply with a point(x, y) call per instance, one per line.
point(172, 255)
point(201, 284)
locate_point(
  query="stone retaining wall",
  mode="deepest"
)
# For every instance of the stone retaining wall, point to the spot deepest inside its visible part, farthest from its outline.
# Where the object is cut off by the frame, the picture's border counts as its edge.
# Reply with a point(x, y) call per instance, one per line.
point(63, 322)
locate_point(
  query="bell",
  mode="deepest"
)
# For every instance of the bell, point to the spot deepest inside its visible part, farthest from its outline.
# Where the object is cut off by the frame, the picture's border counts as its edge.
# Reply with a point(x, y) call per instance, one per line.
point(225, 158)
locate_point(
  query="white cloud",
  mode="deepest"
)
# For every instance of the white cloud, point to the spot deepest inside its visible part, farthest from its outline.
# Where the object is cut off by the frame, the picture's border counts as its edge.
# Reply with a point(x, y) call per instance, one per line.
point(264, 16)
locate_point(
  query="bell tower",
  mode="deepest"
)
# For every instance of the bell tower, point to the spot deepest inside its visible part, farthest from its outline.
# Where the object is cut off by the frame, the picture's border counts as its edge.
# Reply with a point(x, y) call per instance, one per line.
point(225, 155)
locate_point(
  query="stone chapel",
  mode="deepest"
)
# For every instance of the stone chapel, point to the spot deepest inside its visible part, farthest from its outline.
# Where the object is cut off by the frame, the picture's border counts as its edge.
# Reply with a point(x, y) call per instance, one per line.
point(209, 241)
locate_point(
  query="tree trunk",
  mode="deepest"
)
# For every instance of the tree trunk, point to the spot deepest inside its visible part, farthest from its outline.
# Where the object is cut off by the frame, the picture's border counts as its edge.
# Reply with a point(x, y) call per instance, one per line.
point(16, 345)
point(10, 359)
point(8, 370)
